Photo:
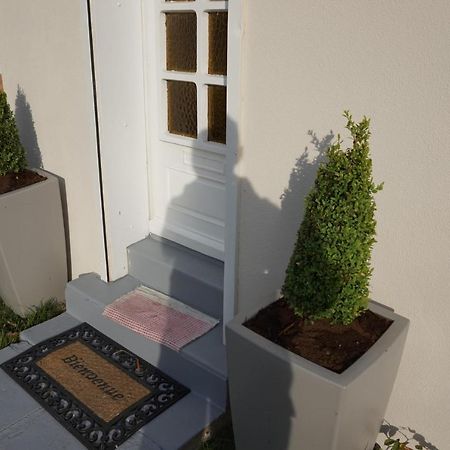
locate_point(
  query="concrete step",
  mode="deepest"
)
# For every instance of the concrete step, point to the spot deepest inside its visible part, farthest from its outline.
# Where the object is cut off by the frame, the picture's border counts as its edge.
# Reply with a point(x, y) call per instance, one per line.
point(201, 365)
point(182, 273)
point(25, 424)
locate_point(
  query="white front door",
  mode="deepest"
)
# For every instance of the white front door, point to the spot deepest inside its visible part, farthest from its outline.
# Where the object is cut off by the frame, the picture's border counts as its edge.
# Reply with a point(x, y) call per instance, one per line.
point(186, 94)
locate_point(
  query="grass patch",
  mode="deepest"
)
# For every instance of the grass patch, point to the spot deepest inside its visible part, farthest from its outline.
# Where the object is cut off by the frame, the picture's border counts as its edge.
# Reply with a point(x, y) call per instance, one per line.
point(12, 324)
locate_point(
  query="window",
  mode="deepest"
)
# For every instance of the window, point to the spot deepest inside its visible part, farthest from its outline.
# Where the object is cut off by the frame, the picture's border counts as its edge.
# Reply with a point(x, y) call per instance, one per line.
point(193, 71)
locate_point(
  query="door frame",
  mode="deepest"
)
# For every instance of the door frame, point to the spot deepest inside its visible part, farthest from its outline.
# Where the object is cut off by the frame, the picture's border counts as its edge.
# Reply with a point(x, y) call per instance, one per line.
point(233, 121)
point(123, 133)
point(234, 57)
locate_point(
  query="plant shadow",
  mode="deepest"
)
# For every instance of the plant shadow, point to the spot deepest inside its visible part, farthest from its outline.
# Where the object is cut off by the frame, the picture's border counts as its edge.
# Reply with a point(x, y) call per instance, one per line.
point(27, 130)
point(28, 138)
point(284, 220)
point(406, 433)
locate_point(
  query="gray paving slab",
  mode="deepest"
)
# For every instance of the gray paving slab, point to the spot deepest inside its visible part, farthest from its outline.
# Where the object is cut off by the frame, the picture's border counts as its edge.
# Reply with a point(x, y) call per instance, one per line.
point(90, 287)
point(6, 353)
point(50, 328)
point(209, 351)
point(38, 431)
point(140, 442)
point(13, 350)
point(15, 403)
point(182, 422)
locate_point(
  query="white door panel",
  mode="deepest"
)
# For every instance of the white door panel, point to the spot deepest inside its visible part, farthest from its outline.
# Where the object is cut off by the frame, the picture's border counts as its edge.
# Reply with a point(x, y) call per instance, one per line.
point(203, 197)
point(187, 175)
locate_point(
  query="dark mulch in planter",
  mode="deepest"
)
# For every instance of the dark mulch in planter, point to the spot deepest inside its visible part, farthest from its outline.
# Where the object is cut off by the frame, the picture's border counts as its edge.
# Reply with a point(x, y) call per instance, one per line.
point(13, 181)
point(335, 347)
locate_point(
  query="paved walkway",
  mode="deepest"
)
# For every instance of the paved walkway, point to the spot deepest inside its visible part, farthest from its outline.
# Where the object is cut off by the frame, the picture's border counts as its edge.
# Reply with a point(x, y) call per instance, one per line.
point(24, 424)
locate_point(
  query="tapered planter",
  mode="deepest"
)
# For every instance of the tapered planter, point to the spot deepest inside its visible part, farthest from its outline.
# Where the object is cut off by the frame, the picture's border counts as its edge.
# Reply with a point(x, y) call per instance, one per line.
point(282, 401)
point(33, 265)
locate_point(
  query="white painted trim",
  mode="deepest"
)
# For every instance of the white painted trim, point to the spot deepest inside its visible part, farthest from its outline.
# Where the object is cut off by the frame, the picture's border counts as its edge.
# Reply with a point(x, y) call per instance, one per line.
point(151, 89)
point(235, 34)
point(188, 238)
point(199, 144)
point(117, 44)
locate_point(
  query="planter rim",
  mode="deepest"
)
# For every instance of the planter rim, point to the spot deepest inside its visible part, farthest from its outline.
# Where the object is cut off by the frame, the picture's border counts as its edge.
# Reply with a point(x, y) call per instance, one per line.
point(50, 179)
point(400, 325)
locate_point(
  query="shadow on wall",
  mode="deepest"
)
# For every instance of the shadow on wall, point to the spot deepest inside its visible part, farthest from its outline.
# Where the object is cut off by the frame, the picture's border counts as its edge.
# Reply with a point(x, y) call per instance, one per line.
point(265, 252)
point(278, 232)
point(28, 137)
point(301, 181)
point(27, 131)
point(404, 433)
point(303, 174)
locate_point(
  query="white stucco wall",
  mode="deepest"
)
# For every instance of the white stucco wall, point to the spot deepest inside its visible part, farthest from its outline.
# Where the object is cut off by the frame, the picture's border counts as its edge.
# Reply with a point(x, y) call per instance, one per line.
point(303, 64)
point(44, 50)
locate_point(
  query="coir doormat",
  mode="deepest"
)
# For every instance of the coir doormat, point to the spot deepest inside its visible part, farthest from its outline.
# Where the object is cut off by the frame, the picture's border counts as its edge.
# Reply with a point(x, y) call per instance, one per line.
point(98, 390)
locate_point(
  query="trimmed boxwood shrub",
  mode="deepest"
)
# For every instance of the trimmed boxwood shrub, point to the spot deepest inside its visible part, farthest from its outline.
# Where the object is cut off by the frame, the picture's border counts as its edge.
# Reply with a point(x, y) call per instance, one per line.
point(329, 272)
point(12, 153)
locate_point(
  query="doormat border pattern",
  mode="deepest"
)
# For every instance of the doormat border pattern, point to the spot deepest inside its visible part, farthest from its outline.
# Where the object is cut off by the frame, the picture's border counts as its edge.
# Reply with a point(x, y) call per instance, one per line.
point(93, 432)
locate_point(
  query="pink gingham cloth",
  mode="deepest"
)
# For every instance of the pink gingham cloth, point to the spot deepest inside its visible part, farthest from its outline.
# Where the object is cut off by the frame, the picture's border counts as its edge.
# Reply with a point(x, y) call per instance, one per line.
point(159, 317)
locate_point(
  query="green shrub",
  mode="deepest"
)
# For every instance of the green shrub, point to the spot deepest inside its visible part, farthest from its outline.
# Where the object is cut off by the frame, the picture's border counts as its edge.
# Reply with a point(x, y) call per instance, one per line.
point(329, 272)
point(12, 154)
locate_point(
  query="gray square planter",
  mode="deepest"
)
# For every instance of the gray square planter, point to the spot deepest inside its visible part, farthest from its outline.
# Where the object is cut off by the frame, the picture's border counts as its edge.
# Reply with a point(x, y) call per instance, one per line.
point(282, 401)
point(33, 264)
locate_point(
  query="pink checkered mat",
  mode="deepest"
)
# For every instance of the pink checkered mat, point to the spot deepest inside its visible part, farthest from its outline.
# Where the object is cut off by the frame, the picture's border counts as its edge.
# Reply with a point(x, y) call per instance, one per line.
point(159, 317)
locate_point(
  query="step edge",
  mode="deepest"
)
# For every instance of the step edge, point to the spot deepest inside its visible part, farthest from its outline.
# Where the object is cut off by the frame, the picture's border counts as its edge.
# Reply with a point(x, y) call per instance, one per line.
point(99, 305)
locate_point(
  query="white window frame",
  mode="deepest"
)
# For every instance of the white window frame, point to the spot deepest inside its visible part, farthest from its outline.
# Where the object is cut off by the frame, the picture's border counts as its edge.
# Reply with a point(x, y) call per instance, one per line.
point(200, 78)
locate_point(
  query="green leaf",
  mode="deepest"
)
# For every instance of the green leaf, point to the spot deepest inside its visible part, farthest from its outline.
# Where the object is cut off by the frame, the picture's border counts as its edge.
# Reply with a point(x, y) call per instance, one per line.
point(336, 235)
point(12, 153)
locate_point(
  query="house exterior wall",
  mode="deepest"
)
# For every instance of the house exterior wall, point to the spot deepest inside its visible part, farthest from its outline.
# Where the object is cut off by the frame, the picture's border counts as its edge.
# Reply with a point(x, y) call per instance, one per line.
point(303, 64)
point(44, 52)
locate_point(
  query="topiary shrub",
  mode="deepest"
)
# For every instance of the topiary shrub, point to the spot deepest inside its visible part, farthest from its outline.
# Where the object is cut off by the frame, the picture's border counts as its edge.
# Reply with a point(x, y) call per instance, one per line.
point(12, 153)
point(329, 272)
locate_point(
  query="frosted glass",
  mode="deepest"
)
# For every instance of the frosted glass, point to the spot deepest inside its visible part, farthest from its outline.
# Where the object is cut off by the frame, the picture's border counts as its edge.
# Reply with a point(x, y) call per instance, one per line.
point(218, 31)
point(181, 41)
point(182, 108)
point(217, 114)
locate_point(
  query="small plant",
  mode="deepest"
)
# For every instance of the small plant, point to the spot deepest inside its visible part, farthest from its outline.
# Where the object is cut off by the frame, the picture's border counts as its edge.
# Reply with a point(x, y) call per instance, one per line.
point(11, 324)
point(12, 153)
point(329, 272)
point(396, 444)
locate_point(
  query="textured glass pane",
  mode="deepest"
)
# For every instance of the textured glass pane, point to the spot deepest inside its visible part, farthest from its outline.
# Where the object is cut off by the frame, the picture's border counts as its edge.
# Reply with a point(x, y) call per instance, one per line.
point(181, 41)
point(217, 114)
point(182, 108)
point(218, 22)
